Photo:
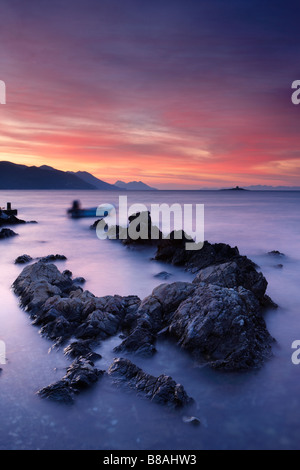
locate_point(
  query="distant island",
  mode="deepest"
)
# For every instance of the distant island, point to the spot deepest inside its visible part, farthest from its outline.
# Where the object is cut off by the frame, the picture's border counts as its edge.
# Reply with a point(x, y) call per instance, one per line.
point(237, 188)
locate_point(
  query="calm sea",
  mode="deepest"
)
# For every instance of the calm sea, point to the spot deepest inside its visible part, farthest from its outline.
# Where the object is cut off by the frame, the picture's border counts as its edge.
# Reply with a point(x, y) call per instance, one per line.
point(257, 410)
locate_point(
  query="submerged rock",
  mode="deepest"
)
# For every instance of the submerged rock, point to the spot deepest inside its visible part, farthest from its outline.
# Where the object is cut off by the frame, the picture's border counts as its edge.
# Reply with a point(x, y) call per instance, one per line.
point(52, 258)
point(276, 254)
point(163, 275)
point(191, 420)
point(162, 390)
point(23, 259)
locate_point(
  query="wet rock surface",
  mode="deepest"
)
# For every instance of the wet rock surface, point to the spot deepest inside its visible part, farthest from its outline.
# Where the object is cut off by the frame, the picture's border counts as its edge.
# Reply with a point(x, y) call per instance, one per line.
point(238, 273)
point(80, 375)
point(24, 259)
point(152, 316)
point(223, 327)
point(162, 390)
point(218, 319)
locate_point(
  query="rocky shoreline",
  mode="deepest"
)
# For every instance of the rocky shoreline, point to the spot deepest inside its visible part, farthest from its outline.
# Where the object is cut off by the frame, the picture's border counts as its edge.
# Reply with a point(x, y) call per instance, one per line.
point(218, 319)
point(10, 220)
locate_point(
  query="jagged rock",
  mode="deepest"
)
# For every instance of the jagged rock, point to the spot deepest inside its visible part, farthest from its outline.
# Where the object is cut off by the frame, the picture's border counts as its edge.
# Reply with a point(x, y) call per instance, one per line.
point(174, 251)
point(81, 374)
point(7, 233)
point(140, 231)
point(140, 341)
point(276, 254)
point(223, 327)
point(52, 258)
point(152, 315)
point(240, 272)
point(23, 259)
point(47, 259)
point(37, 283)
point(140, 224)
point(162, 390)
point(82, 348)
point(59, 392)
point(63, 309)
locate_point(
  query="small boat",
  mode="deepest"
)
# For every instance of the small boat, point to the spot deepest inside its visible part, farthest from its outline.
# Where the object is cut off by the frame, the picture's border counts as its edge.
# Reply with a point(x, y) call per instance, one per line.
point(76, 212)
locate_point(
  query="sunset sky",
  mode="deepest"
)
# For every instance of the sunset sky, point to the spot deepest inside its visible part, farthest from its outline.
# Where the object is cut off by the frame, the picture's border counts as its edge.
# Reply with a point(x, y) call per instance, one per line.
point(177, 93)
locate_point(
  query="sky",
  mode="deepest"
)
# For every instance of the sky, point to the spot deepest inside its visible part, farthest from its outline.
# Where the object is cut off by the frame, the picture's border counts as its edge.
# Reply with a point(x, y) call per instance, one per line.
point(181, 94)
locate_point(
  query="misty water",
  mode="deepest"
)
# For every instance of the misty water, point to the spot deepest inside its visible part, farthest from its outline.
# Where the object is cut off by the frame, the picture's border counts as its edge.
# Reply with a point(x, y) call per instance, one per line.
point(256, 410)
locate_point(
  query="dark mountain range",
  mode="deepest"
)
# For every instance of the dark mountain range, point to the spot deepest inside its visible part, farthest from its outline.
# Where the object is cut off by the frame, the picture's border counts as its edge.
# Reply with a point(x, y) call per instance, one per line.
point(14, 176)
point(134, 186)
point(96, 182)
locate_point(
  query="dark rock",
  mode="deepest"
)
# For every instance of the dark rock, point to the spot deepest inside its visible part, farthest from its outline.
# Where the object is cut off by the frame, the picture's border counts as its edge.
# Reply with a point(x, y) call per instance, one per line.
point(59, 392)
point(7, 233)
point(52, 258)
point(23, 259)
point(82, 348)
point(163, 275)
point(191, 420)
point(152, 315)
point(174, 251)
point(59, 328)
point(276, 254)
point(139, 232)
point(81, 374)
point(140, 224)
point(140, 341)
point(162, 390)
point(79, 280)
point(95, 224)
point(223, 327)
point(47, 259)
point(37, 283)
point(10, 220)
point(240, 272)
point(63, 309)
